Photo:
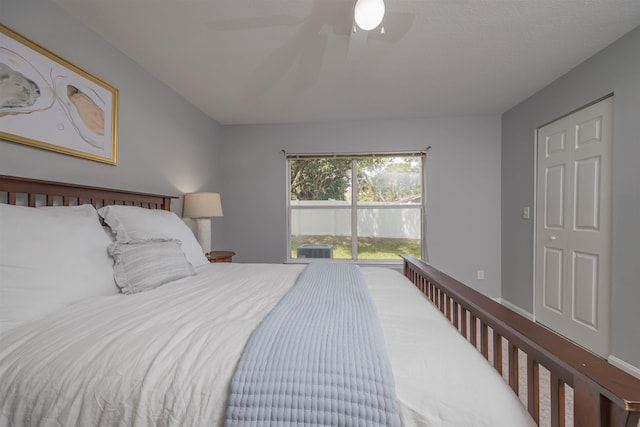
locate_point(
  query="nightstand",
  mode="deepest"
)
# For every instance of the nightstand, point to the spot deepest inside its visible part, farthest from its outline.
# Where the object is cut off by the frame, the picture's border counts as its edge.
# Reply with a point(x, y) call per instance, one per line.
point(220, 256)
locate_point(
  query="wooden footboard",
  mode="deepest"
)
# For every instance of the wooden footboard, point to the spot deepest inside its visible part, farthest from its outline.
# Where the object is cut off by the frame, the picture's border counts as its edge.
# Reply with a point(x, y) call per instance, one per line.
point(603, 395)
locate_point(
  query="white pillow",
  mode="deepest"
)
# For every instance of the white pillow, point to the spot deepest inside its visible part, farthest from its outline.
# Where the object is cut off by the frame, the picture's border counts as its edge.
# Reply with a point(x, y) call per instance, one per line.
point(50, 257)
point(142, 265)
point(134, 223)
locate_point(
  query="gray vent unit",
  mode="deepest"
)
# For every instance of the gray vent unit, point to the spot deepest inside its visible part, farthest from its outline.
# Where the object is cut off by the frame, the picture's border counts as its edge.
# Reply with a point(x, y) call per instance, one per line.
point(315, 251)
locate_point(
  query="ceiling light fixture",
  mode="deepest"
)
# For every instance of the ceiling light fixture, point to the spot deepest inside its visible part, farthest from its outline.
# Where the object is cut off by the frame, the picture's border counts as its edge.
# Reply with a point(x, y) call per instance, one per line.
point(368, 14)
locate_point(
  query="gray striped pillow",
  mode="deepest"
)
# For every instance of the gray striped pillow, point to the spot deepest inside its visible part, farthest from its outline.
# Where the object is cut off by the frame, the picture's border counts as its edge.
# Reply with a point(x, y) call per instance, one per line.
point(141, 265)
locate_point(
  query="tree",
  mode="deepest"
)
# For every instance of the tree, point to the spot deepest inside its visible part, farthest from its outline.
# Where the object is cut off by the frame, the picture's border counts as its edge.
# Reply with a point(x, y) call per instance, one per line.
point(320, 179)
point(380, 179)
point(392, 180)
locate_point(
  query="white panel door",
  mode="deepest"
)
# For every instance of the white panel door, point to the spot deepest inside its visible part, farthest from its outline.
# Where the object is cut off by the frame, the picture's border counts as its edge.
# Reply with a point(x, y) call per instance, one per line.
point(573, 226)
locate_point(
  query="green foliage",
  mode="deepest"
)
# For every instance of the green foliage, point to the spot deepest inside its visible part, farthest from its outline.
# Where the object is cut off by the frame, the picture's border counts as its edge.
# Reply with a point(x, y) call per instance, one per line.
point(380, 179)
point(320, 179)
point(392, 180)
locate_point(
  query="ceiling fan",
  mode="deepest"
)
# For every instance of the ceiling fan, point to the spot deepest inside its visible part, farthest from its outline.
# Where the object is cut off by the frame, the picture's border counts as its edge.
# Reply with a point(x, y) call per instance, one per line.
point(307, 44)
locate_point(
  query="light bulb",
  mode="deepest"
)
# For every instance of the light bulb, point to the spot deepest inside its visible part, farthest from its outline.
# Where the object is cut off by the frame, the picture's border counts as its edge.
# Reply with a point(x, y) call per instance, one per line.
point(368, 14)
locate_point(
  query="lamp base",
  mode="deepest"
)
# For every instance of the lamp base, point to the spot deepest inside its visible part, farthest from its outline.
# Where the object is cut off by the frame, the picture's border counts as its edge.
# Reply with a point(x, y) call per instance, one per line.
point(203, 233)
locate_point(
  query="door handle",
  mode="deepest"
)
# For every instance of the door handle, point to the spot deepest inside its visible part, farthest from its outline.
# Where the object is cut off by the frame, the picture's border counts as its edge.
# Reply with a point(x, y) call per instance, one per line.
point(552, 238)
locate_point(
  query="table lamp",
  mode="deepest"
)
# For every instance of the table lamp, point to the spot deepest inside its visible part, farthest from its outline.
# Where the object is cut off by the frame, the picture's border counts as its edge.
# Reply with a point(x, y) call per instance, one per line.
point(202, 207)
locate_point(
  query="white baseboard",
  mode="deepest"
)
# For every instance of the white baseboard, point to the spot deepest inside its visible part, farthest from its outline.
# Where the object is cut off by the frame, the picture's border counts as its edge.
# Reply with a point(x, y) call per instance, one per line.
point(515, 308)
point(627, 367)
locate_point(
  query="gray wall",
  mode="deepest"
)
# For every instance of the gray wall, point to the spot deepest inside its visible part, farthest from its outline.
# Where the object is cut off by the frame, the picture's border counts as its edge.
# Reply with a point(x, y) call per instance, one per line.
point(463, 173)
point(166, 145)
point(614, 69)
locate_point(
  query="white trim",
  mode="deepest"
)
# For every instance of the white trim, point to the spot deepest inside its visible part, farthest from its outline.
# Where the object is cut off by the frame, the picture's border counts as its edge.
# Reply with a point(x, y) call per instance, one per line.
point(423, 211)
point(354, 207)
point(514, 307)
point(625, 366)
point(535, 220)
point(287, 183)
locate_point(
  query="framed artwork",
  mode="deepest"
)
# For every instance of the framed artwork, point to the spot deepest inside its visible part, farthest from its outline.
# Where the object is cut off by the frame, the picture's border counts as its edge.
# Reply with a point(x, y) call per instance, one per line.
point(46, 102)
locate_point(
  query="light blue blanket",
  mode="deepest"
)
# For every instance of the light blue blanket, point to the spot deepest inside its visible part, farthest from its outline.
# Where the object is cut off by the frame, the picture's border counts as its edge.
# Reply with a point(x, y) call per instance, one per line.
point(318, 359)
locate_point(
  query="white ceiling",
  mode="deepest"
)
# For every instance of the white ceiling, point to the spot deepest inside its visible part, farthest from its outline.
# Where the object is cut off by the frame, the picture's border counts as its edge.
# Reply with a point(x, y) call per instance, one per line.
point(285, 61)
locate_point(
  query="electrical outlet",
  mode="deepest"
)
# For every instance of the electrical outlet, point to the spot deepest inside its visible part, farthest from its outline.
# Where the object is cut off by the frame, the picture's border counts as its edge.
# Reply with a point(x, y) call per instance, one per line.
point(480, 274)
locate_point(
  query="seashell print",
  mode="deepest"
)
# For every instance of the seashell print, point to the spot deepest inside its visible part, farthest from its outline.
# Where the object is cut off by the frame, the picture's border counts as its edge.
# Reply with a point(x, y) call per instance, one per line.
point(91, 115)
point(84, 109)
point(16, 90)
point(23, 90)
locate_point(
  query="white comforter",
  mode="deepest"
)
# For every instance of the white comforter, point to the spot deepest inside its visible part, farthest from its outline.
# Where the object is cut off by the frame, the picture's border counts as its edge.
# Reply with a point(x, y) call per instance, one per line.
point(166, 357)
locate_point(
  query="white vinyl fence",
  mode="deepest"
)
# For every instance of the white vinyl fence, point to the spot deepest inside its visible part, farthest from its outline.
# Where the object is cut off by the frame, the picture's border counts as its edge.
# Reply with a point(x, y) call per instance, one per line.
point(400, 223)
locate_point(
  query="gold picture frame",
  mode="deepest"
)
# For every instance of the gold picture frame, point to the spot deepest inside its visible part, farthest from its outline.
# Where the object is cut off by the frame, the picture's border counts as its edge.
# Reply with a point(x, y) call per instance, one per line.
point(50, 103)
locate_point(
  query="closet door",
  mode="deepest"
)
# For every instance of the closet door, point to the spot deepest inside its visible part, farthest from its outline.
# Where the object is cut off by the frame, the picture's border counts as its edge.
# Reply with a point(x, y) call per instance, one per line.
point(573, 226)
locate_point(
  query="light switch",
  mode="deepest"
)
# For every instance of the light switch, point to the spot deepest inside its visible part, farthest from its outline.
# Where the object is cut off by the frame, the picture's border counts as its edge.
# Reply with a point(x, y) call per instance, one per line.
point(525, 212)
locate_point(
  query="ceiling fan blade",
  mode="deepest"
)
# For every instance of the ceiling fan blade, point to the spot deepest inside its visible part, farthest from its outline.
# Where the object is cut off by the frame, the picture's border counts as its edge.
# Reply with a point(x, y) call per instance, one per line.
point(311, 61)
point(306, 46)
point(296, 49)
point(270, 71)
point(255, 22)
point(339, 15)
point(357, 43)
point(396, 26)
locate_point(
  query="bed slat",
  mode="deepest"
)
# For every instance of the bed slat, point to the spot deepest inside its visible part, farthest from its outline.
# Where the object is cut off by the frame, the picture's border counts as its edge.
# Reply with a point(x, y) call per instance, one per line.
point(464, 323)
point(588, 405)
point(456, 315)
point(514, 370)
point(533, 389)
point(557, 402)
point(497, 352)
point(484, 340)
point(473, 330)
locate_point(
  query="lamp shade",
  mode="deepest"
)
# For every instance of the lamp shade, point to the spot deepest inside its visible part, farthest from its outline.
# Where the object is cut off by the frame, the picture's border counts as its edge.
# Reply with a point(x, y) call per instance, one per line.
point(202, 205)
point(368, 14)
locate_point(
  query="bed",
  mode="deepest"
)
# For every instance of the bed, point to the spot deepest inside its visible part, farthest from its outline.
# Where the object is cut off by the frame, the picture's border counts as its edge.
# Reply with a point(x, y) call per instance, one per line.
point(167, 354)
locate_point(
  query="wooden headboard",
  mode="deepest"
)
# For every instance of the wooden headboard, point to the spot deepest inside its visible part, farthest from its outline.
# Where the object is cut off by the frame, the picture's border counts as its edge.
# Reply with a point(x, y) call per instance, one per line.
point(36, 192)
